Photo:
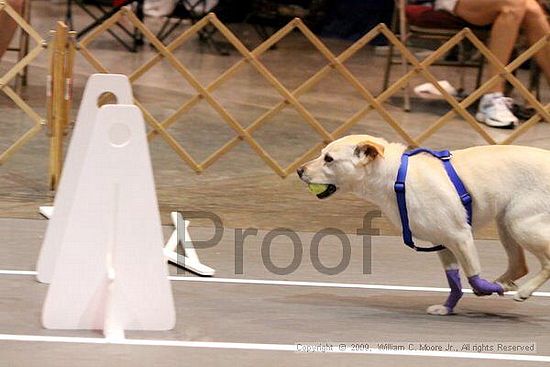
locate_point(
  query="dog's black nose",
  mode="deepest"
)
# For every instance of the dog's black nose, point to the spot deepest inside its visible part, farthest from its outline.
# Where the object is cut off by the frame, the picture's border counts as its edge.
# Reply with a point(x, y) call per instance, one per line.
point(300, 172)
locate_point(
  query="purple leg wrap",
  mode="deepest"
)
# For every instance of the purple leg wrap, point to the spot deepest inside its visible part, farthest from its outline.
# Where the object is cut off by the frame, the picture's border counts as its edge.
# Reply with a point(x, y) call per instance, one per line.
point(453, 278)
point(483, 287)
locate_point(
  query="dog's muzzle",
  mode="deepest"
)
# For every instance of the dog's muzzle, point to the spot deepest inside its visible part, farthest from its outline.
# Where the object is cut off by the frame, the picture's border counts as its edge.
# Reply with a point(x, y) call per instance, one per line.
point(331, 189)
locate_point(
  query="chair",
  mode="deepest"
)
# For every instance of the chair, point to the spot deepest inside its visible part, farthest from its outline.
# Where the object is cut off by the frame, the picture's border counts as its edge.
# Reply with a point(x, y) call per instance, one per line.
point(422, 22)
point(23, 47)
point(193, 10)
point(105, 14)
point(267, 16)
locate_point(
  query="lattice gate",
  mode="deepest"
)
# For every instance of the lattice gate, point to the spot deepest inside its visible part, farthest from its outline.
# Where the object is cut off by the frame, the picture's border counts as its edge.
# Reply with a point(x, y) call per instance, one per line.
point(291, 97)
point(11, 74)
point(63, 60)
point(57, 91)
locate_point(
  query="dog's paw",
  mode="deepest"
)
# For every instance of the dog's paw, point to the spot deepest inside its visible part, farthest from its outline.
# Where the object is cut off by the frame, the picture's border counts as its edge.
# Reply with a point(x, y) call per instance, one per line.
point(439, 310)
point(480, 294)
point(521, 296)
point(508, 285)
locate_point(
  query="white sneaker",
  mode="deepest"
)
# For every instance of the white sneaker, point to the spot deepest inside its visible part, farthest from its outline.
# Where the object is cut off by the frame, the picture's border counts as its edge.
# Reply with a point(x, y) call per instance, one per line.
point(494, 111)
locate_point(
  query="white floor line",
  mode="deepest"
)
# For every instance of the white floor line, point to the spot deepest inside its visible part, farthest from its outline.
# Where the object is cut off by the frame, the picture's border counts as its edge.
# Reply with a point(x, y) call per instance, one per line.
point(17, 272)
point(298, 283)
point(267, 347)
point(329, 285)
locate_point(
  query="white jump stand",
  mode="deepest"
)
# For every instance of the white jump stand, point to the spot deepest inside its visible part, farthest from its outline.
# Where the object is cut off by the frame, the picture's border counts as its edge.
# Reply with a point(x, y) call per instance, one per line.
point(102, 253)
point(46, 211)
point(98, 84)
point(189, 260)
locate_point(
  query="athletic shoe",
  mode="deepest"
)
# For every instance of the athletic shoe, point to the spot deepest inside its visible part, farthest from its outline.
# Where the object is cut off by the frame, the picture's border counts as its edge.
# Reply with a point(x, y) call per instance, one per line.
point(494, 111)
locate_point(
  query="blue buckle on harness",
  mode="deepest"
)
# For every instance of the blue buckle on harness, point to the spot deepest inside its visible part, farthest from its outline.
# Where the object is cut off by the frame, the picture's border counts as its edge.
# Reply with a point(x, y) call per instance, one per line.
point(399, 187)
point(466, 199)
point(444, 155)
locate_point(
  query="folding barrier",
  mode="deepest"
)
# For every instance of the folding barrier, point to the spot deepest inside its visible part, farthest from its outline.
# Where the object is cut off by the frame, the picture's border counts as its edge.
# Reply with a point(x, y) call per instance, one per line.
point(65, 46)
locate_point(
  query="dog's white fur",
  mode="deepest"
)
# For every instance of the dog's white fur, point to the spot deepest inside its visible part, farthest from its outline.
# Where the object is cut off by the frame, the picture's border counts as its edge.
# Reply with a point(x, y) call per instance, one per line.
point(508, 183)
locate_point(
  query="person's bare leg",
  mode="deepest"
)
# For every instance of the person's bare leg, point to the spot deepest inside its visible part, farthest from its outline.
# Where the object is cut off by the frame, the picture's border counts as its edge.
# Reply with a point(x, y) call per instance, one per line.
point(506, 17)
point(8, 26)
point(536, 26)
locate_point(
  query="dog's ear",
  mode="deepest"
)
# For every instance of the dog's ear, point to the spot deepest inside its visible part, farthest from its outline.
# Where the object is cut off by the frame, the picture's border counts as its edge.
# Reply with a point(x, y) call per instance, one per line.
point(369, 150)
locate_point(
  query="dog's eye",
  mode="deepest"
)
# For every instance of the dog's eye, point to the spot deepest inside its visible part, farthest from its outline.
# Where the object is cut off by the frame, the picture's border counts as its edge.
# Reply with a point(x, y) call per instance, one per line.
point(328, 158)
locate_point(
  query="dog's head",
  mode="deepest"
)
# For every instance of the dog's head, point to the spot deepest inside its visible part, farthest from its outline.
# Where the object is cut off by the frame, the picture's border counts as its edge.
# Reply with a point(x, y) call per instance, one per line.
point(343, 164)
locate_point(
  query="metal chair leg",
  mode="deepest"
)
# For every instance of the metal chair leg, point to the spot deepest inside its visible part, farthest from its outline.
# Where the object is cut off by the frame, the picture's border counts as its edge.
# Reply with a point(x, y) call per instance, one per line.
point(69, 15)
point(387, 71)
point(23, 49)
point(462, 61)
point(480, 72)
point(106, 14)
point(534, 80)
point(407, 88)
point(403, 37)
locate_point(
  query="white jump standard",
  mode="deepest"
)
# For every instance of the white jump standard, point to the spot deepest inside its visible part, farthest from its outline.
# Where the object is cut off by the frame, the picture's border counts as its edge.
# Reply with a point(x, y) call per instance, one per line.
point(107, 256)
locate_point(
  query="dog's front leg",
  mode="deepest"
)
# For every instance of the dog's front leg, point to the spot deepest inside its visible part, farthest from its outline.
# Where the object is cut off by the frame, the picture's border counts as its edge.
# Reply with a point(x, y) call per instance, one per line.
point(467, 256)
point(450, 264)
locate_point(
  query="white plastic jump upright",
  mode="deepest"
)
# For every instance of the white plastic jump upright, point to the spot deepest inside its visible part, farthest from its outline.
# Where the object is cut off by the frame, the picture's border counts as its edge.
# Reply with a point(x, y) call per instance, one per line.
point(97, 84)
point(120, 86)
point(189, 259)
point(103, 248)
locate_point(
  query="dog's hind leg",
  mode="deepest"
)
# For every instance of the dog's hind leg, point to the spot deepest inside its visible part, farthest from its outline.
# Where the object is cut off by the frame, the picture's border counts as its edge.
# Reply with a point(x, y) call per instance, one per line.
point(533, 233)
point(450, 264)
point(533, 284)
point(517, 266)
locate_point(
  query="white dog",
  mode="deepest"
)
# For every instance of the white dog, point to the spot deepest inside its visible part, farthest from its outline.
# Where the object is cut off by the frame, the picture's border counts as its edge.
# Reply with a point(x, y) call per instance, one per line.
point(508, 183)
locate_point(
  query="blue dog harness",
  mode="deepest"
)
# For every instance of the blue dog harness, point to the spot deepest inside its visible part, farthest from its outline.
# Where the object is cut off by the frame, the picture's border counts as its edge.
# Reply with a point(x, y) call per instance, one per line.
point(399, 187)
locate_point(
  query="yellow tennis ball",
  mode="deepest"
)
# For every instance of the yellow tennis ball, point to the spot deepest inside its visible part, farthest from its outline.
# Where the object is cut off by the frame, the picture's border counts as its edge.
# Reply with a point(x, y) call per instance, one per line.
point(317, 188)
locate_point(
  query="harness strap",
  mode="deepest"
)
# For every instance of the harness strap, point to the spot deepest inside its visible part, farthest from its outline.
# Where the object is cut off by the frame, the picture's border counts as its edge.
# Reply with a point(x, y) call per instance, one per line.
point(399, 187)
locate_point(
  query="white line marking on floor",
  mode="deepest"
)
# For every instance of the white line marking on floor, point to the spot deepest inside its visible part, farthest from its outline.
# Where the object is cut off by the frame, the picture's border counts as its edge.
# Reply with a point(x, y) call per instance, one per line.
point(266, 347)
point(329, 285)
point(17, 272)
point(298, 283)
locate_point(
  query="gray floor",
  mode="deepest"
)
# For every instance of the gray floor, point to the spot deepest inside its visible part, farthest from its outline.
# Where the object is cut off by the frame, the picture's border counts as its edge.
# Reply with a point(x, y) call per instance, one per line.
point(280, 314)
point(245, 193)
